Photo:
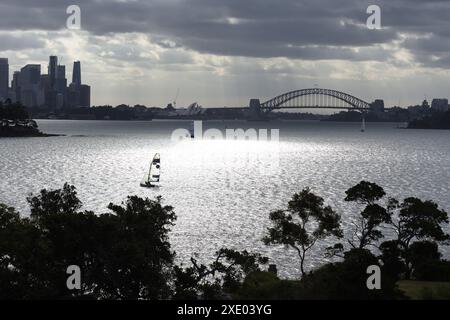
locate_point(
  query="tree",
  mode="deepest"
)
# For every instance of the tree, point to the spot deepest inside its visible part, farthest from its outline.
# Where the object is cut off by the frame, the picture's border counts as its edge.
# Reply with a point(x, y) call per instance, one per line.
point(305, 222)
point(366, 228)
point(347, 280)
point(416, 220)
point(393, 265)
point(122, 255)
point(421, 255)
point(137, 252)
point(24, 258)
point(13, 111)
point(365, 193)
point(223, 277)
point(54, 202)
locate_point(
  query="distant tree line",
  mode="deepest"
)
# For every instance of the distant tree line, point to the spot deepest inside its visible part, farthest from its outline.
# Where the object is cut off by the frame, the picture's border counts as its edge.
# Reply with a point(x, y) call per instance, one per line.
point(13, 111)
point(126, 253)
point(438, 120)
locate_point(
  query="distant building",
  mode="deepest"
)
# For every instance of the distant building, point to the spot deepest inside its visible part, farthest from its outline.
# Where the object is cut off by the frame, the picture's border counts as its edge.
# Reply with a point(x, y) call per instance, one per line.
point(73, 96)
point(193, 110)
point(79, 95)
point(34, 89)
point(60, 87)
point(31, 94)
point(52, 70)
point(440, 105)
point(377, 106)
point(4, 78)
point(85, 95)
point(76, 74)
point(15, 87)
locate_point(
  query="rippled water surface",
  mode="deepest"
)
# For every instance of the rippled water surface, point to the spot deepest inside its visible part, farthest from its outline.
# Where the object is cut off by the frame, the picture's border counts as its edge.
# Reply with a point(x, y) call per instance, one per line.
point(223, 190)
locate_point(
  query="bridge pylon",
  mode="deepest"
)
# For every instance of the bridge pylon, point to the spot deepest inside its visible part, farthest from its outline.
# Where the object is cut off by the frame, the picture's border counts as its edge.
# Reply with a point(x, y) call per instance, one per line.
point(255, 108)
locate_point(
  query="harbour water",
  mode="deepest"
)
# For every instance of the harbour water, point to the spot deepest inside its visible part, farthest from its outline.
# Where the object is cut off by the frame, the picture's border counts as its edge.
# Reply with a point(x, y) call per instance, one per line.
point(224, 190)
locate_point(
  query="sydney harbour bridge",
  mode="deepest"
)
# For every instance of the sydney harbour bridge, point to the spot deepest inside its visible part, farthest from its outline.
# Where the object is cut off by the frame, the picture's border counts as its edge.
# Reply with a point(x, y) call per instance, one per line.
point(314, 98)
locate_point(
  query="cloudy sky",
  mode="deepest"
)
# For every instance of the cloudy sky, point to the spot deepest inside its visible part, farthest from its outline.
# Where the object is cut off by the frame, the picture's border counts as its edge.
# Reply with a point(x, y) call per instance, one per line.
point(224, 52)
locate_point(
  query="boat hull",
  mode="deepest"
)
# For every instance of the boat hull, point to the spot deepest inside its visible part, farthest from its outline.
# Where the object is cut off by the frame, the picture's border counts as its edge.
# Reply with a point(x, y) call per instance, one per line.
point(143, 185)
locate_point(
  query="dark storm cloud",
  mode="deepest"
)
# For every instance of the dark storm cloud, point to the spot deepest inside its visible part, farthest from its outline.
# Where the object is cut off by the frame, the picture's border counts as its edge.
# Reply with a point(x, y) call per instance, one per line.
point(314, 29)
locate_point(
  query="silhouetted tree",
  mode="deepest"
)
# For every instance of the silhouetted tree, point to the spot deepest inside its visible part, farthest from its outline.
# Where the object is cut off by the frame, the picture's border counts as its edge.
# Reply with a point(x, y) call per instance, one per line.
point(393, 264)
point(221, 278)
point(122, 255)
point(415, 220)
point(141, 259)
point(366, 228)
point(422, 254)
point(305, 222)
point(347, 280)
point(13, 111)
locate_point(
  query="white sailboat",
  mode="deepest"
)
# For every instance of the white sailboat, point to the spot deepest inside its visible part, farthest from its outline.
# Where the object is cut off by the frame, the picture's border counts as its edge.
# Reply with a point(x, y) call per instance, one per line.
point(153, 176)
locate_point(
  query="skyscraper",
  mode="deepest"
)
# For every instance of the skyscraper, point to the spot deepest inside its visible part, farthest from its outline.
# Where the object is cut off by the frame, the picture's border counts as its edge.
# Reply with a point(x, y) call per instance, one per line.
point(29, 81)
point(85, 96)
point(52, 70)
point(61, 74)
point(4, 78)
point(15, 86)
point(47, 91)
point(61, 87)
point(76, 75)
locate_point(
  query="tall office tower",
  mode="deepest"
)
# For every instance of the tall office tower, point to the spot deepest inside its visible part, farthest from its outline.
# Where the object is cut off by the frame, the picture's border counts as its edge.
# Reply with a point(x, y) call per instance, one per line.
point(61, 81)
point(76, 75)
point(52, 70)
point(85, 96)
point(15, 87)
point(61, 88)
point(61, 74)
point(4, 78)
point(31, 93)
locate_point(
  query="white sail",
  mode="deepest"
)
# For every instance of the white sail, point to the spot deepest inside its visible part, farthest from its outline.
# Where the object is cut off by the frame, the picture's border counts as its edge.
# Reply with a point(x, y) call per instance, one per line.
point(154, 171)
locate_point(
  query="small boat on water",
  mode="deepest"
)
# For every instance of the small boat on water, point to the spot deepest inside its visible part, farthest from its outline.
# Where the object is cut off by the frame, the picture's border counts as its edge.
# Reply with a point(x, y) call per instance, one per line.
point(151, 178)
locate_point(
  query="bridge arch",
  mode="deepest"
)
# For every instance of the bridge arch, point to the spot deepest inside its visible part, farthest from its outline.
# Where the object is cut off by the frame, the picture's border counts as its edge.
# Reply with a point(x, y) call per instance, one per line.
point(351, 101)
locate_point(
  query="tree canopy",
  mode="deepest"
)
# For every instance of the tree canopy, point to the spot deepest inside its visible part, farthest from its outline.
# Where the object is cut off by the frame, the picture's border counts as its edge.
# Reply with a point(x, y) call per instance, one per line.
point(305, 222)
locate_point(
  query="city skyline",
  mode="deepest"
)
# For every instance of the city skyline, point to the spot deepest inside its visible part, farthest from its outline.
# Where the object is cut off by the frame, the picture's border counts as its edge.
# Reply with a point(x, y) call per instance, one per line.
point(216, 53)
point(35, 89)
point(80, 94)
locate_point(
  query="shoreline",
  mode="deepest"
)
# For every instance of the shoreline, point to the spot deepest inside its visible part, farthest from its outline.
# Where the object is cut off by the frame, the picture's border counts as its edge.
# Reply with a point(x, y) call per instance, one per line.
point(25, 133)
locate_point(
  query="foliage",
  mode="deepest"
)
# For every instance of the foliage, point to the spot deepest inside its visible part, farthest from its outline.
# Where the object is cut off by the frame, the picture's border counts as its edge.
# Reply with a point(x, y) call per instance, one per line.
point(416, 220)
point(393, 264)
point(347, 280)
point(366, 228)
point(13, 111)
point(365, 192)
point(438, 120)
point(122, 255)
point(303, 224)
point(222, 278)
point(126, 254)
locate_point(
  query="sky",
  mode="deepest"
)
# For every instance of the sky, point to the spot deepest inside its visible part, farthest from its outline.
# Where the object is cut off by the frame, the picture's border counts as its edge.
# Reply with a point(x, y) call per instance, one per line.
point(224, 52)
